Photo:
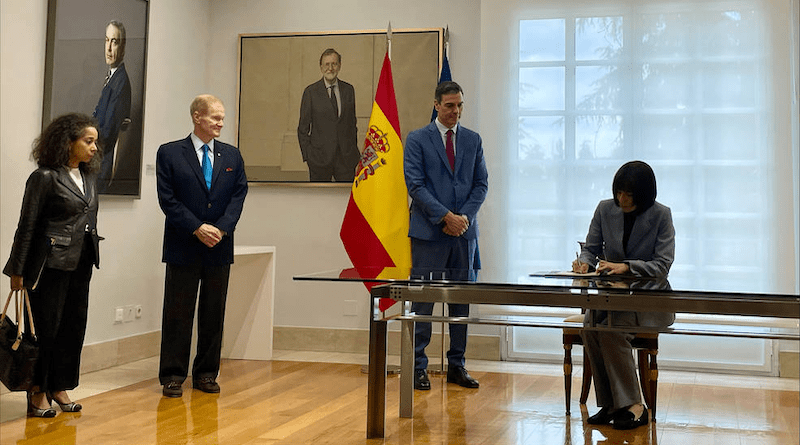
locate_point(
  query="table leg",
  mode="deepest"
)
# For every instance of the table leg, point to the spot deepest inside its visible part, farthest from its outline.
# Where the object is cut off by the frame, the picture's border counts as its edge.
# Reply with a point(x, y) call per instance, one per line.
point(407, 369)
point(376, 385)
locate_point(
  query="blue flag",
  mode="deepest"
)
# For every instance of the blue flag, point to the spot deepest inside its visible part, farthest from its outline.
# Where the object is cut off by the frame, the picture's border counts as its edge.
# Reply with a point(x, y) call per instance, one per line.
point(443, 77)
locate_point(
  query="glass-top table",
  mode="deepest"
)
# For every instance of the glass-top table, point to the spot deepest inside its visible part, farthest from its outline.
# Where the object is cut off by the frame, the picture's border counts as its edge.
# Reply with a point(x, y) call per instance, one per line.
point(553, 289)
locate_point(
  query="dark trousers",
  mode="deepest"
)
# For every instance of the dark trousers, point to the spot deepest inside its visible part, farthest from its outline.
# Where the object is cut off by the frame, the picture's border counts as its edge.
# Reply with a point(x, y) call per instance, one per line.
point(60, 304)
point(342, 169)
point(452, 259)
point(180, 297)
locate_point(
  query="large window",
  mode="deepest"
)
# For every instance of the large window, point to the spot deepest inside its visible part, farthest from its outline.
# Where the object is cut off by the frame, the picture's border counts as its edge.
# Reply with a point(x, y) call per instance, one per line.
point(683, 86)
point(682, 90)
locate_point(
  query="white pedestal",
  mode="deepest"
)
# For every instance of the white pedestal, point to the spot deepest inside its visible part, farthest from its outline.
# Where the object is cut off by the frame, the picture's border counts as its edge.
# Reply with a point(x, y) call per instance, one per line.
point(248, 312)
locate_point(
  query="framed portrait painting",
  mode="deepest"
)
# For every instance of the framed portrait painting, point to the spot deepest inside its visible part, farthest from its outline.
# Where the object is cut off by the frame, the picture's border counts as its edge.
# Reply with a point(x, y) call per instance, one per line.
point(305, 99)
point(95, 64)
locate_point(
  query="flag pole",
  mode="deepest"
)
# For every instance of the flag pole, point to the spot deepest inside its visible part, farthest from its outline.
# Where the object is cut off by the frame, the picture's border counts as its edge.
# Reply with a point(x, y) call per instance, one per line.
point(389, 40)
point(447, 41)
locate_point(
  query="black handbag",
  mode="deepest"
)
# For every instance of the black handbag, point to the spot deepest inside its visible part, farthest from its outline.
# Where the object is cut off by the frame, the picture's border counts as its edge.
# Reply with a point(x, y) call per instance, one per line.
point(19, 349)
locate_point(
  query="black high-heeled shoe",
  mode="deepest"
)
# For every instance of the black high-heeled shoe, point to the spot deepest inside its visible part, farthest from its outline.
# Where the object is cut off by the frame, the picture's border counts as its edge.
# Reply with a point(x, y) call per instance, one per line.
point(70, 407)
point(34, 411)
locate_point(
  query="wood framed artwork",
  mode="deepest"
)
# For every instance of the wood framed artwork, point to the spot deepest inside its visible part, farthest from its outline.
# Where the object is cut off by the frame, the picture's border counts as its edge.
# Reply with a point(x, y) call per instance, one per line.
point(95, 64)
point(288, 128)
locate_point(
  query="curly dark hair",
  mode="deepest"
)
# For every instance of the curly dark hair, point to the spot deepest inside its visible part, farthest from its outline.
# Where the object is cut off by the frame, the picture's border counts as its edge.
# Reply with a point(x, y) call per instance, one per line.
point(52, 148)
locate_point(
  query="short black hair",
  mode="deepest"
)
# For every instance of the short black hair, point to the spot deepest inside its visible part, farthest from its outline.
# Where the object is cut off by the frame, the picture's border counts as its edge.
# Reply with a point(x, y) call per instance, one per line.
point(638, 179)
point(447, 87)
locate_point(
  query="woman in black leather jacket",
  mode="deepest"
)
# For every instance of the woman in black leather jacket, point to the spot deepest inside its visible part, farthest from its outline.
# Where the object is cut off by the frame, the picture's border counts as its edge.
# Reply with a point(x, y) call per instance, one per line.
point(55, 246)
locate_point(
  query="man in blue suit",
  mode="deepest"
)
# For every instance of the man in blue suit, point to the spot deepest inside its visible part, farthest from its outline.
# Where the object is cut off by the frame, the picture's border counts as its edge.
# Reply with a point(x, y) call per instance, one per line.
point(201, 186)
point(113, 109)
point(447, 179)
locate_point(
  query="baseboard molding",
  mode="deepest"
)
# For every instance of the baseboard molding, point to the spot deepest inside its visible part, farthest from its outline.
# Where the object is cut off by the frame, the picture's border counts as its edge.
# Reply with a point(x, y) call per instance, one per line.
point(356, 341)
point(117, 352)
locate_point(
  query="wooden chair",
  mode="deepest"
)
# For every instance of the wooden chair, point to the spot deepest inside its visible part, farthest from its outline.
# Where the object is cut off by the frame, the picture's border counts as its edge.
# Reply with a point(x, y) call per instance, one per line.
point(646, 346)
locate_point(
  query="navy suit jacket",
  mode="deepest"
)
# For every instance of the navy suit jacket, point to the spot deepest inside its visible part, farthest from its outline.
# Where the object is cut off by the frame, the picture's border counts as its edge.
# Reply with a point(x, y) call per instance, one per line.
point(435, 189)
point(320, 130)
point(113, 107)
point(187, 203)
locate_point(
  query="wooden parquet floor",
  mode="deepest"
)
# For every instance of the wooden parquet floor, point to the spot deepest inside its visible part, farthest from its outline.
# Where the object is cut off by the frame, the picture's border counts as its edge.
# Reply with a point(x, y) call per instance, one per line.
point(284, 402)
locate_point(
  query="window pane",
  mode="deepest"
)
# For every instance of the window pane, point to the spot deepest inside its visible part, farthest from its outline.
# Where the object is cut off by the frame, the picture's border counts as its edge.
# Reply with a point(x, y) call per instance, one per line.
point(598, 38)
point(736, 190)
point(599, 137)
point(541, 88)
point(729, 85)
point(730, 137)
point(541, 40)
point(728, 33)
point(667, 86)
point(541, 138)
point(597, 88)
point(666, 138)
point(665, 35)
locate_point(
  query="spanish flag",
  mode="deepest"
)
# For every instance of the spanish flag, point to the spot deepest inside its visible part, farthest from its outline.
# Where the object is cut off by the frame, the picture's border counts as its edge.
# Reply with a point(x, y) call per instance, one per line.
point(375, 227)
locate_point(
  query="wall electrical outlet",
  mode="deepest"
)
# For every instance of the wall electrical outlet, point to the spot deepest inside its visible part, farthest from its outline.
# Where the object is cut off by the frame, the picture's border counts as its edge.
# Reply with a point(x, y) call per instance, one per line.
point(138, 311)
point(128, 317)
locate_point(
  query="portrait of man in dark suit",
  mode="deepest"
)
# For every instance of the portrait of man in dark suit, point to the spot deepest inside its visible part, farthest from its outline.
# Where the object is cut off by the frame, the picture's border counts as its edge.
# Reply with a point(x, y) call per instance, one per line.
point(113, 109)
point(327, 130)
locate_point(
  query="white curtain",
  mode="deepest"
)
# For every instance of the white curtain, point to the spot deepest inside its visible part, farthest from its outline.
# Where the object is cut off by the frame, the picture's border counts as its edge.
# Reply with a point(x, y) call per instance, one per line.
point(704, 91)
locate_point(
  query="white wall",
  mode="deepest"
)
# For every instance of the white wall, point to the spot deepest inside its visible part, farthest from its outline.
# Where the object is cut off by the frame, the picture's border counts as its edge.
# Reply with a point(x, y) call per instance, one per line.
point(192, 49)
point(303, 223)
point(130, 258)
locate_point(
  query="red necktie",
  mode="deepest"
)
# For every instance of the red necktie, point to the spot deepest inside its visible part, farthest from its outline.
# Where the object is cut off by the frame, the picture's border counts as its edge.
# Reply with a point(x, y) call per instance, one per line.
point(451, 154)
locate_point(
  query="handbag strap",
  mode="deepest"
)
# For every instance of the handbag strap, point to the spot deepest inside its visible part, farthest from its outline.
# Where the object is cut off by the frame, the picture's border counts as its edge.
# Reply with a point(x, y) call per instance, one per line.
point(5, 308)
point(30, 314)
point(20, 310)
point(20, 321)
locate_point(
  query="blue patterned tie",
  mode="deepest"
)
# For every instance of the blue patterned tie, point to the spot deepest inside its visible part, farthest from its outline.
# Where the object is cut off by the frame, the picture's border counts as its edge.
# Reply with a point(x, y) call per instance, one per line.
point(207, 166)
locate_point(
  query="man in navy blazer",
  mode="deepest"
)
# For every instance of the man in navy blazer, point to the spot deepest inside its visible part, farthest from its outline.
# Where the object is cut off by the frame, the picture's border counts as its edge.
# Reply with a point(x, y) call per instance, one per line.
point(113, 109)
point(447, 180)
point(327, 133)
point(201, 215)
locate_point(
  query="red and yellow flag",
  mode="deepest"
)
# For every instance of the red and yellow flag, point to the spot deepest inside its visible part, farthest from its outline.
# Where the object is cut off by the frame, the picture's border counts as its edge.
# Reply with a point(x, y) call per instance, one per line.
point(375, 227)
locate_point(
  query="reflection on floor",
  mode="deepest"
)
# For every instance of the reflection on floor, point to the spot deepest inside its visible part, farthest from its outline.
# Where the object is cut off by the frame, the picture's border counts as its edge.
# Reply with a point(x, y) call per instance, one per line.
point(518, 403)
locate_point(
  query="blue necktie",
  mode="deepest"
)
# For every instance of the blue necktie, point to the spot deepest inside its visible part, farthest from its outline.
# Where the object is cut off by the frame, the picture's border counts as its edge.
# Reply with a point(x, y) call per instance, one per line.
point(207, 166)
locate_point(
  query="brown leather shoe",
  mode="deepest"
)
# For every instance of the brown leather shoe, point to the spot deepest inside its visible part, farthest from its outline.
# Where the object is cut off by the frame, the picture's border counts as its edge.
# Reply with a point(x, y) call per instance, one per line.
point(206, 384)
point(172, 389)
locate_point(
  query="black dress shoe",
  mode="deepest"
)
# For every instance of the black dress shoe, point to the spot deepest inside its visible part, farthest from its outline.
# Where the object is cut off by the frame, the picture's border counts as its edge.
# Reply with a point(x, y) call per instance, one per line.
point(206, 384)
point(603, 417)
point(625, 420)
point(421, 380)
point(172, 389)
point(460, 376)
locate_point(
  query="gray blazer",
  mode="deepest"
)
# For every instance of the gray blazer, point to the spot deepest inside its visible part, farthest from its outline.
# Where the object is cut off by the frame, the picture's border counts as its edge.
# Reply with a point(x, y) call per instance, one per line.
point(651, 246)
